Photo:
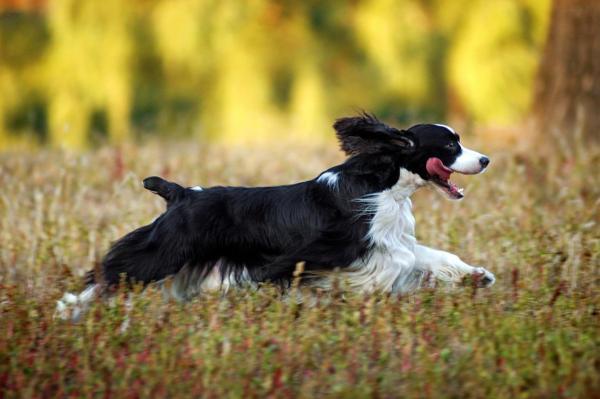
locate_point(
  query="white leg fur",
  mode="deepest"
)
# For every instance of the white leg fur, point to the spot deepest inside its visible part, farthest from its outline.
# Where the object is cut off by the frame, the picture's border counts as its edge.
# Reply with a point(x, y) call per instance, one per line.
point(191, 281)
point(72, 306)
point(448, 267)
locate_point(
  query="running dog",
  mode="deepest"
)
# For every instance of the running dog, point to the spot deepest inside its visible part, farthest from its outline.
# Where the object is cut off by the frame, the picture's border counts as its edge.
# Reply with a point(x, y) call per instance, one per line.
point(353, 221)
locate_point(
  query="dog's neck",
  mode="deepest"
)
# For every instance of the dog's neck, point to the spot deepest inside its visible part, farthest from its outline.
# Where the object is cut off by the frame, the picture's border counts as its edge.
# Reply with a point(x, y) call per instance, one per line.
point(406, 185)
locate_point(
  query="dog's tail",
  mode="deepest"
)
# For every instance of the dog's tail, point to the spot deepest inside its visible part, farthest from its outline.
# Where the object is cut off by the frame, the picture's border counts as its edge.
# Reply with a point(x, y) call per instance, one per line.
point(170, 191)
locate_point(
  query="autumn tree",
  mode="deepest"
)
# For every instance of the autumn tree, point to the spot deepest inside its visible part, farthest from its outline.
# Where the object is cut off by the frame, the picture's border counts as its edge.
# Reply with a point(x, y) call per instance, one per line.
point(567, 94)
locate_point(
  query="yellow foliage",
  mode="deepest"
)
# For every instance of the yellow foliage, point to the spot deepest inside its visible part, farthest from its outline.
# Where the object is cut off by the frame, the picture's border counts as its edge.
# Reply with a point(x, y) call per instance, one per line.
point(245, 69)
point(177, 27)
point(308, 101)
point(394, 35)
point(89, 68)
point(490, 69)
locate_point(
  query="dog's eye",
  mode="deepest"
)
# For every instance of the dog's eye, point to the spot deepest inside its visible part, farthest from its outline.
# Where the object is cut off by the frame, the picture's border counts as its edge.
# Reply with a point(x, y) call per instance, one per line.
point(451, 146)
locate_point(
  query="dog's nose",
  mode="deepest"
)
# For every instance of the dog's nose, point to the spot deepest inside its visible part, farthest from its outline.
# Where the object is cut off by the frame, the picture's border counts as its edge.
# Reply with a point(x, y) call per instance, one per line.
point(484, 161)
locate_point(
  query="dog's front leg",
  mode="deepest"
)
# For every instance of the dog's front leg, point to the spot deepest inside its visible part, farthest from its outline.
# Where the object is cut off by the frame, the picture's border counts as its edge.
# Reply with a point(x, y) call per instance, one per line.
point(449, 267)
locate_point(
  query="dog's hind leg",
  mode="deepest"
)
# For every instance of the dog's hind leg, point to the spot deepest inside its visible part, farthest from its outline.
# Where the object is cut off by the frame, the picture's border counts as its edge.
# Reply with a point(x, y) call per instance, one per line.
point(143, 256)
point(148, 254)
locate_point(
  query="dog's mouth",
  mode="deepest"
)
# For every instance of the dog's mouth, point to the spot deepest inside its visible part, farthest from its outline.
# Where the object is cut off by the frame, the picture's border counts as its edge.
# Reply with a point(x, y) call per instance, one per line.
point(440, 174)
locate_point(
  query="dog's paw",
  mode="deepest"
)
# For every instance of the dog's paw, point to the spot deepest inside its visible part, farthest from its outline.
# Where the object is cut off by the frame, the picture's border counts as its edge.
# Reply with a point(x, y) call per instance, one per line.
point(483, 277)
point(68, 307)
point(72, 306)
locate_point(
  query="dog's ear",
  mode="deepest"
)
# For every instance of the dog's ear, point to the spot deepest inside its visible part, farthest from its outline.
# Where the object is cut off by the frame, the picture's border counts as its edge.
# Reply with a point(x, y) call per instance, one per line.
point(365, 134)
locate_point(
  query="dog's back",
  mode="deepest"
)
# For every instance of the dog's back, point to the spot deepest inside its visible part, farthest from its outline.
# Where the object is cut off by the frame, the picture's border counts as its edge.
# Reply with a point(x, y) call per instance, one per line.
point(259, 231)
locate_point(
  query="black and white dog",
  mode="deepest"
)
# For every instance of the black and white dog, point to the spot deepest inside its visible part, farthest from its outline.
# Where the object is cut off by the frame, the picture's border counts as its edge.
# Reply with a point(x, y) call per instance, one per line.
point(353, 221)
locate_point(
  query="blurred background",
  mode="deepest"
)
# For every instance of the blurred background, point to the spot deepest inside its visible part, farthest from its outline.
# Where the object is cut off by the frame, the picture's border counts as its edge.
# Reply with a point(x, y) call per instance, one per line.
point(78, 73)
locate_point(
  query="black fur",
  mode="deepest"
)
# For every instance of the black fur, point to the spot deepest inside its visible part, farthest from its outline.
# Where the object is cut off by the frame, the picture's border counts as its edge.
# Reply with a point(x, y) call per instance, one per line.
point(171, 192)
point(367, 135)
point(268, 230)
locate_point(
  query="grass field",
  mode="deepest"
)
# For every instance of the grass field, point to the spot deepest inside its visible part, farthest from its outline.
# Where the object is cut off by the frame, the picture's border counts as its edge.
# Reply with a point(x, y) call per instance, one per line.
point(534, 222)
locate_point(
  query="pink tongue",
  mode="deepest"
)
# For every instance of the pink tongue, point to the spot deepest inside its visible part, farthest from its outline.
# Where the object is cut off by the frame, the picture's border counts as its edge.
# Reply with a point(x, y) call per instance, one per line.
point(435, 167)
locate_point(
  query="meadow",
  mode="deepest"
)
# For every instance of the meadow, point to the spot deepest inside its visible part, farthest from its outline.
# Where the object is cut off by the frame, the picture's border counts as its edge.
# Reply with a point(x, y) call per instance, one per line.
point(532, 220)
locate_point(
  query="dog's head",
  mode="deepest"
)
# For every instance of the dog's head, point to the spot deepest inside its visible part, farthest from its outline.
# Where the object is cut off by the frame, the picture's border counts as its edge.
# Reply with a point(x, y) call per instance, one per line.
point(432, 151)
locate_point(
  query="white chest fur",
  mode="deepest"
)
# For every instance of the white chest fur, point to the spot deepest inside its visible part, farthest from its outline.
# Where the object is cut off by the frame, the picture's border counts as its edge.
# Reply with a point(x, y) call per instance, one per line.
point(390, 263)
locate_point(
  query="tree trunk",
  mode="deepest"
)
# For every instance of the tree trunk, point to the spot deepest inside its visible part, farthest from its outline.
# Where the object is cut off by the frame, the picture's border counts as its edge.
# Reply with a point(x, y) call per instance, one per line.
point(567, 92)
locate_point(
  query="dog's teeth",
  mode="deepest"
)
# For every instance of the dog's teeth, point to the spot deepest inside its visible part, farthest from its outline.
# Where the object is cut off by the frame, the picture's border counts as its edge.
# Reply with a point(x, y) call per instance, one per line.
point(461, 190)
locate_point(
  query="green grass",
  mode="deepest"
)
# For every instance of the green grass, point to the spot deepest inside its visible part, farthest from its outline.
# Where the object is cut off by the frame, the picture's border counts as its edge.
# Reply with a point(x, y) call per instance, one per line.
point(533, 222)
